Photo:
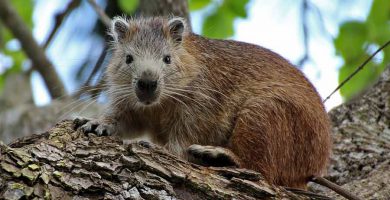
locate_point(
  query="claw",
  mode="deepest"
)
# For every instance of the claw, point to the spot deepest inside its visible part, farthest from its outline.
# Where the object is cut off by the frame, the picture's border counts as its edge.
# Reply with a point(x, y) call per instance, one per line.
point(103, 130)
point(79, 121)
point(98, 127)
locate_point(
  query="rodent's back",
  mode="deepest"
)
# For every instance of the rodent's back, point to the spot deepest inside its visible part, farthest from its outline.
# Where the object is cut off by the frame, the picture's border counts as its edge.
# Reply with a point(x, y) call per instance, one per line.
point(258, 81)
point(251, 68)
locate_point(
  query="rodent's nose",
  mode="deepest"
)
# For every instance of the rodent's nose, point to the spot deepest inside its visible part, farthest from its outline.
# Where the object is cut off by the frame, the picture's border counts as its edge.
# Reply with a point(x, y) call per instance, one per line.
point(147, 86)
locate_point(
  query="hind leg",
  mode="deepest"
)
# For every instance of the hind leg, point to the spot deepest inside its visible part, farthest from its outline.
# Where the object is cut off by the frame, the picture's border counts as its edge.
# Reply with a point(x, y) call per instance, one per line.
point(263, 139)
point(212, 156)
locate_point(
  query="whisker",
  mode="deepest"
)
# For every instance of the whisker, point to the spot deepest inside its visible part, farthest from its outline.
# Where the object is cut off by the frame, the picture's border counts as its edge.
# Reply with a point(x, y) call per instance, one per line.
point(174, 98)
point(198, 87)
point(196, 92)
point(179, 94)
point(78, 103)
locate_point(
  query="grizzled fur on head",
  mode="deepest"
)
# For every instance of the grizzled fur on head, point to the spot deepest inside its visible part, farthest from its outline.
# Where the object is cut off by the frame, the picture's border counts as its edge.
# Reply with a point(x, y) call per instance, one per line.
point(148, 29)
point(140, 49)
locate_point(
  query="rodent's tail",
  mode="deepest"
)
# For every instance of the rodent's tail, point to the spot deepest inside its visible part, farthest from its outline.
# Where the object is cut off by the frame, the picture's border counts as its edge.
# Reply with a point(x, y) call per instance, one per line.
point(336, 188)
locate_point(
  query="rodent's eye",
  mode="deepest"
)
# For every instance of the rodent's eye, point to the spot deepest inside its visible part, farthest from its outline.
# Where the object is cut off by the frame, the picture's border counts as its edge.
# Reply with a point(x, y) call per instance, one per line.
point(167, 59)
point(129, 59)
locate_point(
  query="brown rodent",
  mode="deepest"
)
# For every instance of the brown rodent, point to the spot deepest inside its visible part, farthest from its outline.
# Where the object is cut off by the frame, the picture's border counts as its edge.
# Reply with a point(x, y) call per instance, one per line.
point(214, 102)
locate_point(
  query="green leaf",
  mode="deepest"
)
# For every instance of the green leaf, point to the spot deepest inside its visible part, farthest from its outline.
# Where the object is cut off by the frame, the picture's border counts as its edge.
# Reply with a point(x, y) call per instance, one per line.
point(380, 12)
point(378, 21)
point(352, 42)
point(25, 10)
point(237, 7)
point(2, 78)
point(386, 55)
point(198, 4)
point(218, 24)
point(351, 39)
point(128, 6)
point(18, 58)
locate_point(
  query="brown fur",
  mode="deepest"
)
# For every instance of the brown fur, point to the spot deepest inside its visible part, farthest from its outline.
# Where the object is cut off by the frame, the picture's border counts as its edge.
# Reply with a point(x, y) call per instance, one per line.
point(245, 98)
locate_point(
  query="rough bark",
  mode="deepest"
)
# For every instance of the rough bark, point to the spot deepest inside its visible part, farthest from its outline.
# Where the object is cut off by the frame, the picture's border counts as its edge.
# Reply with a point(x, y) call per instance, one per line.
point(65, 164)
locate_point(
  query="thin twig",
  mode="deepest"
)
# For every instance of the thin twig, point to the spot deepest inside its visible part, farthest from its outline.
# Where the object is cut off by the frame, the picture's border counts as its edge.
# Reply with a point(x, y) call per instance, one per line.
point(321, 21)
point(305, 30)
point(102, 15)
point(96, 68)
point(107, 22)
point(357, 70)
point(59, 18)
point(97, 88)
point(40, 62)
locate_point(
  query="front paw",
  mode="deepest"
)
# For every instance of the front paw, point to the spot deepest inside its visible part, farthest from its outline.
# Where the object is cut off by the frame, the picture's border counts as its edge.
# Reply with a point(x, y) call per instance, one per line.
point(99, 127)
point(79, 122)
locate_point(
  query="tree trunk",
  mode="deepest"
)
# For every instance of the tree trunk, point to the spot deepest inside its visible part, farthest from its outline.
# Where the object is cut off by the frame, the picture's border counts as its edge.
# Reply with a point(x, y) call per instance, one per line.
point(164, 8)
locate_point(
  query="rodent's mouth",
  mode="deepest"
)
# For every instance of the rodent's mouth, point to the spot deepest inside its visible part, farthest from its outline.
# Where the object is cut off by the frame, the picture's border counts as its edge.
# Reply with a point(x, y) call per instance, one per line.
point(147, 99)
point(147, 102)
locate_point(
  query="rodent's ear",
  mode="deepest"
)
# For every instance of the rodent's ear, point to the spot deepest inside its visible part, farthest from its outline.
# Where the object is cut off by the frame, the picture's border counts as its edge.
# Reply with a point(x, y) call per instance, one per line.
point(119, 28)
point(177, 27)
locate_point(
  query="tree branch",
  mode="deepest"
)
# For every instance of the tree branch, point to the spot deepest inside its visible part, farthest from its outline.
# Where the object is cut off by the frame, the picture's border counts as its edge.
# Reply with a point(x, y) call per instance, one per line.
point(39, 60)
point(94, 90)
point(305, 31)
point(357, 70)
point(64, 163)
point(97, 66)
point(102, 15)
point(59, 18)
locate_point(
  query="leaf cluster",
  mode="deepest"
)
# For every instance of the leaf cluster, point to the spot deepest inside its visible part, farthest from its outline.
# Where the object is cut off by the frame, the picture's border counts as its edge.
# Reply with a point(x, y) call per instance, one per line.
point(357, 40)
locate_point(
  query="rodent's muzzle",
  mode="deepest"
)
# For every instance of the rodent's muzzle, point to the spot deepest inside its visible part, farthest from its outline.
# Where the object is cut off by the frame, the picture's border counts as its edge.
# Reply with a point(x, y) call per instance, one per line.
point(146, 90)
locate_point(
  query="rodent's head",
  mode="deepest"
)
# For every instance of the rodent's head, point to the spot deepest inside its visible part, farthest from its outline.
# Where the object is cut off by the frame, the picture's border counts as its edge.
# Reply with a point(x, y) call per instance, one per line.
point(146, 59)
